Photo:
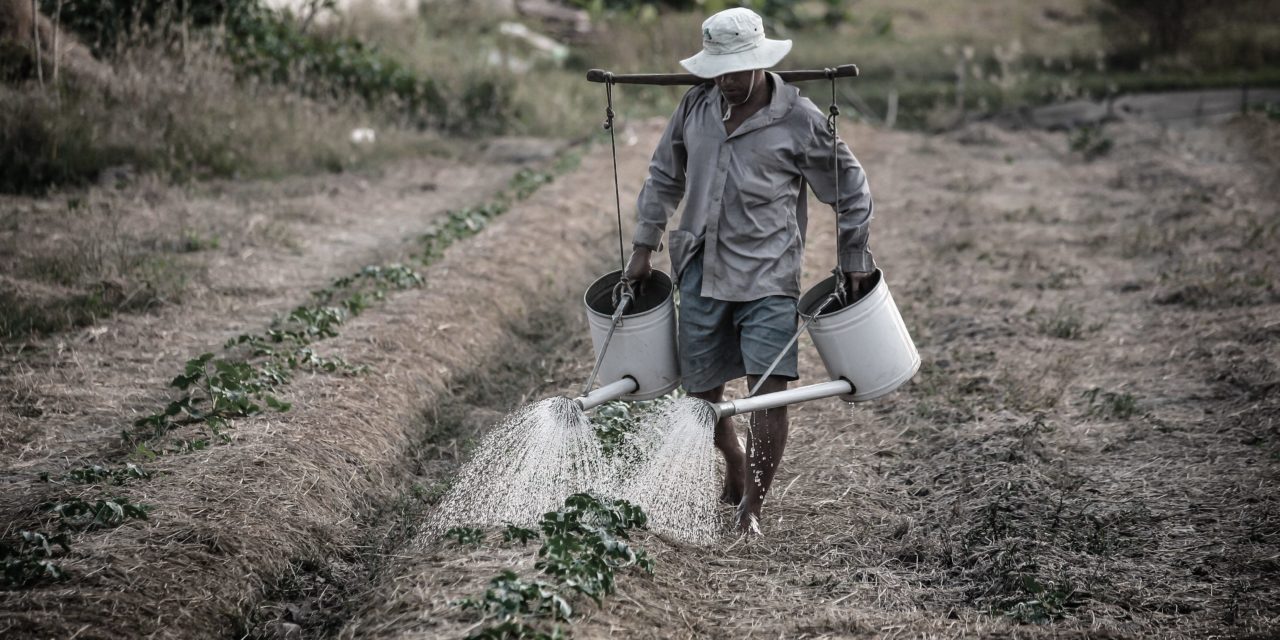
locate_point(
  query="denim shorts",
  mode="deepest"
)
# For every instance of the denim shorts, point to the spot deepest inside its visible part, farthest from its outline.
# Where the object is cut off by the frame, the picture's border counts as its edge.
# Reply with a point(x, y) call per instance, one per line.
point(722, 341)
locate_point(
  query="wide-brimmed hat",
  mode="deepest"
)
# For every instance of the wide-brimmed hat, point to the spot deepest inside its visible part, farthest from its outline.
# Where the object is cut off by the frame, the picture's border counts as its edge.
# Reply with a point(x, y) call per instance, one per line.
point(733, 40)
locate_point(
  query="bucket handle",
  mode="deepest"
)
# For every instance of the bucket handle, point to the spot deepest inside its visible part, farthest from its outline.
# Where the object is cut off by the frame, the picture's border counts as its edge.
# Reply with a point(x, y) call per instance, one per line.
point(623, 296)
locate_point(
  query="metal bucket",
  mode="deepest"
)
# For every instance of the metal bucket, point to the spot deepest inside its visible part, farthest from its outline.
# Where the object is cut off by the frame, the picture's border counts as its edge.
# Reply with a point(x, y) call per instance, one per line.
point(644, 345)
point(865, 343)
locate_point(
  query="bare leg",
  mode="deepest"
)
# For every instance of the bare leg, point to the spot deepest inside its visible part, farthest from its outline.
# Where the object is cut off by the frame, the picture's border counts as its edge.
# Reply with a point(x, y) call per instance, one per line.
point(765, 443)
point(735, 476)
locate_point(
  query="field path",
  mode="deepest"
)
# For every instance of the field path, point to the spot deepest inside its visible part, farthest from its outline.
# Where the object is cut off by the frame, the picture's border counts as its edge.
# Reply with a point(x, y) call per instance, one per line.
point(277, 242)
point(1091, 446)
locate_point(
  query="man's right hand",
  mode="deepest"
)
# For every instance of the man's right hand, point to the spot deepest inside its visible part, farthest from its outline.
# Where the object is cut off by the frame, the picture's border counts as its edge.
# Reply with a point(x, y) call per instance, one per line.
point(638, 267)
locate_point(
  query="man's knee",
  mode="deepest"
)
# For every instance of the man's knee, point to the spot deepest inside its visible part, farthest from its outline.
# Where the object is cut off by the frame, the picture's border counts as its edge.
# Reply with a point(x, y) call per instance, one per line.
point(711, 395)
point(772, 384)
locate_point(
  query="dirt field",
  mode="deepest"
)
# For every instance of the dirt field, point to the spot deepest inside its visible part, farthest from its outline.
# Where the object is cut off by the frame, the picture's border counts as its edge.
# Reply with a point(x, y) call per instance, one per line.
point(1091, 447)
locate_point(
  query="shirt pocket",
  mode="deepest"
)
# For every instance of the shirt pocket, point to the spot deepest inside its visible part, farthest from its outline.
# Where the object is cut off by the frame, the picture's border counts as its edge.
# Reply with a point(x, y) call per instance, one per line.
point(767, 180)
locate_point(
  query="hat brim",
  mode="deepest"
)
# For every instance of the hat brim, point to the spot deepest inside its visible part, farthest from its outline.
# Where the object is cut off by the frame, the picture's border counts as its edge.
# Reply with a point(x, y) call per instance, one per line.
point(707, 65)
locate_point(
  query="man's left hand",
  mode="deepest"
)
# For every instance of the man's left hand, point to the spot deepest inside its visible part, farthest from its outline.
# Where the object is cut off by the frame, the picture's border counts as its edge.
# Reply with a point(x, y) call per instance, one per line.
point(859, 284)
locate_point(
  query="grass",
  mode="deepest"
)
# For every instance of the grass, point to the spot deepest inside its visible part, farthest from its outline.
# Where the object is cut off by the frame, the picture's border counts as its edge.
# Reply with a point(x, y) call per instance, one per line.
point(244, 379)
point(184, 119)
point(1066, 322)
point(67, 266)
point(1011, 54)
point(535, 351)
point(185, 114)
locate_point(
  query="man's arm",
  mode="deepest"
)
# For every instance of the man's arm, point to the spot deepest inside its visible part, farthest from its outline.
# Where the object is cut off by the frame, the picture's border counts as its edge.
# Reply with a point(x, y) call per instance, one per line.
point(854, 209)
point(661, 194)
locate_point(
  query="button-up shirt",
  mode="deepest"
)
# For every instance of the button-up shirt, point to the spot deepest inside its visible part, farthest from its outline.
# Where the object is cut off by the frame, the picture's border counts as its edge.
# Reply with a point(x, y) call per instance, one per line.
point(745, 204)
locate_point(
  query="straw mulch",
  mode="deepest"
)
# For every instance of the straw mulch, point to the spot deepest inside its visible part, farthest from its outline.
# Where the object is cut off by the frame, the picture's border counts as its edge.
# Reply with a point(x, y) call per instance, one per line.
point(1090, 449)
point(293, 490)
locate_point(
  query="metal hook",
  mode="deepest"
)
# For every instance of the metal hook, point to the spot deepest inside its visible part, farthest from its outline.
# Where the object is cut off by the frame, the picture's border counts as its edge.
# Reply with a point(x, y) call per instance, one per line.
point(622, 291)
point(608, 92)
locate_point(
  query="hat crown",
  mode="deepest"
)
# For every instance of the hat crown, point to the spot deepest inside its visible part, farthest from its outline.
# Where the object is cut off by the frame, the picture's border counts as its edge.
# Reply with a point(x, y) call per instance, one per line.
point(732, 31)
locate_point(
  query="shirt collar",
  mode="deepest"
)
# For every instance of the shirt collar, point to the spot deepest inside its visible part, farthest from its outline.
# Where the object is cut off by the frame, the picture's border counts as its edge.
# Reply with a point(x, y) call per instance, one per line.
point(784, 96)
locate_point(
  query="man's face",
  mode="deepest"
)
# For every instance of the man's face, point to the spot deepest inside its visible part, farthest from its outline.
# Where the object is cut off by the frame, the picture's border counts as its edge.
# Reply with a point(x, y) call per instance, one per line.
point(735, 86)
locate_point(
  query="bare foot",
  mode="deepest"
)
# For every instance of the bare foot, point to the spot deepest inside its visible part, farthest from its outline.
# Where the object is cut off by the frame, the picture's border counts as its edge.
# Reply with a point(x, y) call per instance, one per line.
point(748, 519)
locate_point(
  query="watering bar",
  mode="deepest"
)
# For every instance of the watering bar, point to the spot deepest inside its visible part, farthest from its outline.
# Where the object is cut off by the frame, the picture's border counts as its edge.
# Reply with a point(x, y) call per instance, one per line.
point(601, 75)
point(611, 391)
point(783, 398)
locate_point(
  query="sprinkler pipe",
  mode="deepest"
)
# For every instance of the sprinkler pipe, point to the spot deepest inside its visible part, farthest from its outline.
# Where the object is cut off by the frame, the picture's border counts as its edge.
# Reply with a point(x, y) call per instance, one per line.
point(626, 385)
point(782, 398)
point(611, 391)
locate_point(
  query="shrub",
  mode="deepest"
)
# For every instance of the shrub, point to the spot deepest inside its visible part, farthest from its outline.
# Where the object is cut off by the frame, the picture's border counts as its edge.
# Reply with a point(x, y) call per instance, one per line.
point(784, 12)
point(261, 43)
point(1158, 27)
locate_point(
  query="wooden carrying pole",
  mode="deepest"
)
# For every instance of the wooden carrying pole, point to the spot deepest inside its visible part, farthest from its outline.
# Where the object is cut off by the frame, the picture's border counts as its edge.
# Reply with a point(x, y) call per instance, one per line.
point(600, 75)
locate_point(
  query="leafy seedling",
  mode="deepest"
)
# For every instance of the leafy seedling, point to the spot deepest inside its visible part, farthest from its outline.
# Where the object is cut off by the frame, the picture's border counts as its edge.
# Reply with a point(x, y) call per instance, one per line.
point(472, 536)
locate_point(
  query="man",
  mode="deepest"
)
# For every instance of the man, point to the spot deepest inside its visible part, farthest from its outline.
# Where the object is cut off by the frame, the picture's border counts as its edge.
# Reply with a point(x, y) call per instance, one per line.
point(740, 152)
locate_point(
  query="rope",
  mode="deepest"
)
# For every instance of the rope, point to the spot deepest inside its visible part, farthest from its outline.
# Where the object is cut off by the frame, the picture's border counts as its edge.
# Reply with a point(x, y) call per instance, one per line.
point(613, 143)
point(832, 112)
point(622, 294)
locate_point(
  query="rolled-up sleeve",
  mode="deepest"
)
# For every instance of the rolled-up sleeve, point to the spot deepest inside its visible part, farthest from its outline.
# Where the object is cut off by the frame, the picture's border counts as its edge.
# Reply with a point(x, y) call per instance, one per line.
point(854, 211)
point(664, 187)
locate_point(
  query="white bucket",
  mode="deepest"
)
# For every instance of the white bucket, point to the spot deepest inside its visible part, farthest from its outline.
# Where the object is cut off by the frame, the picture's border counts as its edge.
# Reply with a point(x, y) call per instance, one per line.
point(865, 343)
point(644, 344)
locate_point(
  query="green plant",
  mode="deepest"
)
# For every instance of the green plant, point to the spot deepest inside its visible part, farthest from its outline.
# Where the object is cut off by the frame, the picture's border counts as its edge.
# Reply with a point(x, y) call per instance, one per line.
point(584, 545)
point(1120, 406)
point(27, 560)
point(77, 514)
point(612, 421)
point(513, 533)
point(472, 536)
point(98, 474)
point(274, 46)
point(1066, 323)
point(1090, 141)
point(215, 390)
point(191, 445)
point(1039, 603)
point(193, 241)
point(459, 224)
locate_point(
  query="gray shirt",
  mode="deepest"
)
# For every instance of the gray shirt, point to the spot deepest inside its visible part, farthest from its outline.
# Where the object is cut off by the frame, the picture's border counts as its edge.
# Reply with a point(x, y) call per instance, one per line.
point(745, 199)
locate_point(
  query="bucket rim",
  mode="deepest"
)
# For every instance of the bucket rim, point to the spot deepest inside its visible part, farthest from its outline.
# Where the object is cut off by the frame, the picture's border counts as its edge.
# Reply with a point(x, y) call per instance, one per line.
point(816, 293)
point(611, 278)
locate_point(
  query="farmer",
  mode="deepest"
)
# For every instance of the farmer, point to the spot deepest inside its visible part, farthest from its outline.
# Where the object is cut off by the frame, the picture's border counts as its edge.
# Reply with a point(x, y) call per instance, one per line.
point(739, 152)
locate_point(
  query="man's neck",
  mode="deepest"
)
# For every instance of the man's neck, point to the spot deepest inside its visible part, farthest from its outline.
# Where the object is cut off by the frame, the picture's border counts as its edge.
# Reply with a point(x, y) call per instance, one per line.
point(759, 98)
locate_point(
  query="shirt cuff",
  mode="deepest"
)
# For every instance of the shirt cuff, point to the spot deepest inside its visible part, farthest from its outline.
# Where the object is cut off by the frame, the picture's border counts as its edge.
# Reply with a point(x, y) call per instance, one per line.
point(858, 261)
point(647, 234)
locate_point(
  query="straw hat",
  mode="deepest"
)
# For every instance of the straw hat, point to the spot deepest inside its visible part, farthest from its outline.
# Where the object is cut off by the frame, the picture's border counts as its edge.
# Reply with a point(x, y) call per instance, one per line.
point(733, 40)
